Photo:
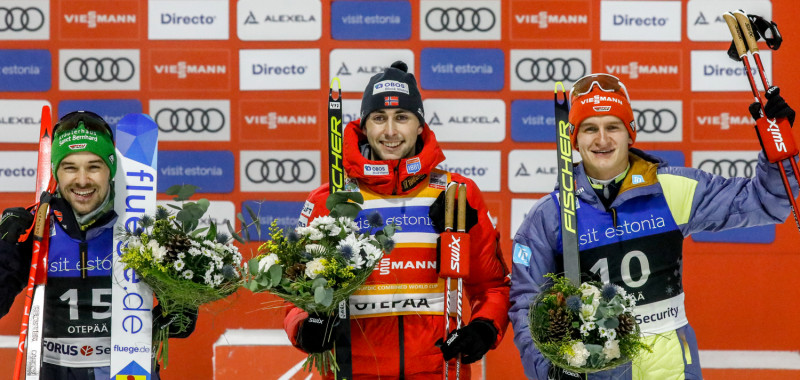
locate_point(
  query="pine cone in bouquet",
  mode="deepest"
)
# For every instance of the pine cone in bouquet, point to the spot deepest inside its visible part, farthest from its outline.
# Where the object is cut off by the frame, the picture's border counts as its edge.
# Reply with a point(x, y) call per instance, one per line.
point(626, 324)
point(296, 271)
point(177, 243)
point(560, 323)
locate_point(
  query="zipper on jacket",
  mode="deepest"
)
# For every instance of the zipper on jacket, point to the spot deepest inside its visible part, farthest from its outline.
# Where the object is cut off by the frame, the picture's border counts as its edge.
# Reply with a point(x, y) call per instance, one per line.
point(402, 372)
point(614, 217)
point(84, 248)
point(396, 177)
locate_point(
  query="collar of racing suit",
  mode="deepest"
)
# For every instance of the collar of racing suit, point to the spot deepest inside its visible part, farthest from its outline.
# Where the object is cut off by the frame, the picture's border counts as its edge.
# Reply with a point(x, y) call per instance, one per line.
point(641, 177)
point(401, 176)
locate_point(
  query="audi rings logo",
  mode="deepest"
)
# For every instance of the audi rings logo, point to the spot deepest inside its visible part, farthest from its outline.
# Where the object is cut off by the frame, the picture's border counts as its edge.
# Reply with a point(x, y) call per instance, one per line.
point(99, 69)
point(730, 168)
point(464, 19)
point(190, 120)
point(18, 19)
point(651, 120)
point(280, 170)
point(550, 69)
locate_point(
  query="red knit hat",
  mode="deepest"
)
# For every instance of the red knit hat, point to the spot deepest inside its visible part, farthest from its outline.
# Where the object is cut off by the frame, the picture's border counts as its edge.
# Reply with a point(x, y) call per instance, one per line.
point(599, 95)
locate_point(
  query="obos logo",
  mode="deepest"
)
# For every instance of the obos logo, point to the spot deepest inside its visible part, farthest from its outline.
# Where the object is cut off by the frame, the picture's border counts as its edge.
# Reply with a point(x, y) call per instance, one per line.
point(538, 70)
point(482, 166)
point(462, 69)
point(279, 120)
point(658, 120)
point(25, 70)
point(371, 20)
point(17, 171)
point(25, 20)
point(188, 20)
point(357, 66)
point(279, 69)
point(640, 21)
point(298, 20)
point(474, 20)
point(105, 69)
point(279, 170)
point(192, 120)
point(714, 72)
point(533, 171)
point(20, 119)
point(732, 164)
point(548, 20)
point(467, 120)
point(720, 121)
point(704, 20)
point(376, 169)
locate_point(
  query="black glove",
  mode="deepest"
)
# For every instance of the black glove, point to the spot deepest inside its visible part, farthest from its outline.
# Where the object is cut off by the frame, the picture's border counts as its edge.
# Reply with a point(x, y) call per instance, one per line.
point(436, 213)
point(776, 107)
point(14, 222)
point(316, 333)
point(180, 325)
point(556, 373)
point(471, 341)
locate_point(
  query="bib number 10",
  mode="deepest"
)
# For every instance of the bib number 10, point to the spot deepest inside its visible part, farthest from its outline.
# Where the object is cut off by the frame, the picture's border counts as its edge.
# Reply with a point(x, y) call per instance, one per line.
point(601, 268)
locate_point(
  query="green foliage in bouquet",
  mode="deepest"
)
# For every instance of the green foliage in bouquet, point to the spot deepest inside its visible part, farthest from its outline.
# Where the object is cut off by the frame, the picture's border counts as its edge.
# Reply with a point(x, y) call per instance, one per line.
point(585, 329)
point(318, 266)
point(185, 266)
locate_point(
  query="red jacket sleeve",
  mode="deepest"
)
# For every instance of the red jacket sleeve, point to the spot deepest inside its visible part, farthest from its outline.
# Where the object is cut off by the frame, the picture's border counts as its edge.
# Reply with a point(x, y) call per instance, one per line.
point(488, 283)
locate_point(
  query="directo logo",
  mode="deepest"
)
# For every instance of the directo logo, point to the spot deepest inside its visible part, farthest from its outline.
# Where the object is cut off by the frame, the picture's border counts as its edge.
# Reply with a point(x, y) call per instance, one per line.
point(633, 69)
point(639, 21)
point(92, 19)
point(266, 69)
point(544, 19)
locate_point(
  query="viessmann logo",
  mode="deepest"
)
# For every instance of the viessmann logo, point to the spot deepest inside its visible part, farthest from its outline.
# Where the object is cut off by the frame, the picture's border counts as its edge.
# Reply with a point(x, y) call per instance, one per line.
point(273, 119)
point(634, 69)
point(725, 120)
point(544, 19)
point(183, 69)
point(92, 18)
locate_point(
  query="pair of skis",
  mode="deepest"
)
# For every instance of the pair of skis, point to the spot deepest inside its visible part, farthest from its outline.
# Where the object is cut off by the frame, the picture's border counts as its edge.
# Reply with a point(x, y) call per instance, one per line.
point(775, 135)
point(137, 136)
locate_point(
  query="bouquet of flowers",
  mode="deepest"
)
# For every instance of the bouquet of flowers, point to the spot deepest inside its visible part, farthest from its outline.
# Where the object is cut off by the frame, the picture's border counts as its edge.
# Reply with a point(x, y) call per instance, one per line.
point(585, 329)
point(318, 266)
point(184, 265)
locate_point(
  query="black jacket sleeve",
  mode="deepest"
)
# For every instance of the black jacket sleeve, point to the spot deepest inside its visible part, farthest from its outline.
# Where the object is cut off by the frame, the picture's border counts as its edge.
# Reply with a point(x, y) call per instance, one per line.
point(15, 261)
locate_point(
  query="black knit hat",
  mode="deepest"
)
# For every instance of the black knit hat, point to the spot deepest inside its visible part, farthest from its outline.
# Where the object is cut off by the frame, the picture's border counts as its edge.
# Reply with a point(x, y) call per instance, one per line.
point(395, 87)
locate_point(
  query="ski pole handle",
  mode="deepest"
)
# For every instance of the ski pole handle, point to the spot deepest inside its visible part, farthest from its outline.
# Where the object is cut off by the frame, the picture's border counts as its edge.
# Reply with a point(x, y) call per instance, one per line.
point(747, 29)
point(449, 203)
point(462, 208)
point(736, 33)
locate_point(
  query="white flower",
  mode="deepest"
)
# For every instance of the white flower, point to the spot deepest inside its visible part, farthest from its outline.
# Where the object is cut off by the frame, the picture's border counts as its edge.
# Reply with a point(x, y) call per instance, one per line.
point(373, 253)
point(579, 355)
point(322, 221)
point(611, 349)
point(348, 223)
point(587, 291)
point(631, 301)
point(267, 261)
point(315, 249)
point(587, 327)
point(188, 274)
point(620, 290)
point(351, 240)
point(588, 312)
point(334, 230)
point(607, 333)
point(315, 267)
point(218, 279)
point(158, 251)
point(181, 256)
point(194, 251)
point(179, 264)
point(315, 234)
point(356, 261)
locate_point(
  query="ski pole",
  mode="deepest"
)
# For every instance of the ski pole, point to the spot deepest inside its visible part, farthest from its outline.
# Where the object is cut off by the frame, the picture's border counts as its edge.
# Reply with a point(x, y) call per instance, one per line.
point(30, 342)
point(737, 23)
point(449, 202)
point(463, 267)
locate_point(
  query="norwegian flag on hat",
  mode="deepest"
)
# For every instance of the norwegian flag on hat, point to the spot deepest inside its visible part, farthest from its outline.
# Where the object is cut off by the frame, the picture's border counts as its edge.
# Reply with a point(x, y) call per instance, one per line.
point(391, 101)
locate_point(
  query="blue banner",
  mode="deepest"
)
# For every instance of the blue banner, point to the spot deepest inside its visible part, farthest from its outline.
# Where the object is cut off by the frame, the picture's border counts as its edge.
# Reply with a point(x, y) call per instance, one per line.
point(533, 121)
point(462, 69)
point(371, 20)
point(211, 171)
point(25, 70)
point(112, 111)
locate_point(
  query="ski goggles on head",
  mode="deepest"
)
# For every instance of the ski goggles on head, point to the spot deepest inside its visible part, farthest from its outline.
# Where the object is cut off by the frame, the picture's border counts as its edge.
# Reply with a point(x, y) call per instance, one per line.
point(605, 82)
point(91, 121)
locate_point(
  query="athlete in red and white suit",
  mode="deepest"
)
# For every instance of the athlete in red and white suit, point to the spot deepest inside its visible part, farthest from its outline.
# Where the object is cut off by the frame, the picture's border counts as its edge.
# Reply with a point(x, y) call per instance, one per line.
point(392, 339)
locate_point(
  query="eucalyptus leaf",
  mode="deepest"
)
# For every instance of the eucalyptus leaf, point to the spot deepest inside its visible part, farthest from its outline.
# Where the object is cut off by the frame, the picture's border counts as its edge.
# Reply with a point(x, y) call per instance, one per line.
point(174, 206)
point(185, 192)
point(319, 295)
point(349, 210)
point(233, 233)
point(173, 190)
point(609, 323)
point(275, 272)
point(254, 219)
point(319, 282)
point(203, 203)
point(252, 266)
point(212, 231)
point(327, 298)
point(240, 217)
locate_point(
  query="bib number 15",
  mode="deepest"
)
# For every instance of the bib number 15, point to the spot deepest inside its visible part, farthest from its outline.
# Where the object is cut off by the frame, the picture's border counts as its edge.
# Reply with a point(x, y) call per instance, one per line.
point(601, 268)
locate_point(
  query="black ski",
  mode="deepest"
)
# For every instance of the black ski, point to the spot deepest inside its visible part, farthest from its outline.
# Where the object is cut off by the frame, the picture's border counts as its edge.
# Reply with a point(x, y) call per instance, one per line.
point(566, 185)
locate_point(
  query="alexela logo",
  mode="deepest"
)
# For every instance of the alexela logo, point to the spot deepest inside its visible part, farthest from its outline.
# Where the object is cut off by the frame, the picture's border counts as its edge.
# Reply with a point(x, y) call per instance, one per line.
point(634, 69)
point(279, 69)
point(182, 69)
point(640, 21)
point(296, 20)
point(92, 19)
point(359, 65)
point(188, 20)
point(376, 169)
point(20, 120)
point(389, 86)
point(544, 19)
point(704, 21)
point(467, 120)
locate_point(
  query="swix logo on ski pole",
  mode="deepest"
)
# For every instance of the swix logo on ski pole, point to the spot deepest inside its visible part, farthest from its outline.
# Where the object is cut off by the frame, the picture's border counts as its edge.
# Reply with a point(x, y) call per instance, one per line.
point(634, 69)
point(544, 19)
point(455, 253)
point(777, 137)
point(452, 338)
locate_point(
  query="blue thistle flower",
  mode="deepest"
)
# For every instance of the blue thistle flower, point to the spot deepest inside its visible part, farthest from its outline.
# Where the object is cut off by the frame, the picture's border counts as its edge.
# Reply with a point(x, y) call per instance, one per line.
point(388, 246)
point(375, 219)
point(608, 292)
point(347, 251)
point(138, 232)
point(292, 237)
point(306, 255)
point(228, 273)
point(574, 303)
point(222, 238)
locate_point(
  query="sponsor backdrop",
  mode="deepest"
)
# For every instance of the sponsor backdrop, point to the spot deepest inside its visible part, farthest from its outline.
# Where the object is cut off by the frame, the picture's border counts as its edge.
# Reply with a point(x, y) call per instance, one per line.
point(238, 91)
